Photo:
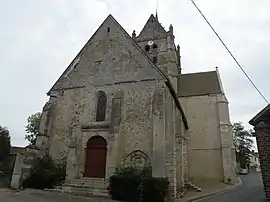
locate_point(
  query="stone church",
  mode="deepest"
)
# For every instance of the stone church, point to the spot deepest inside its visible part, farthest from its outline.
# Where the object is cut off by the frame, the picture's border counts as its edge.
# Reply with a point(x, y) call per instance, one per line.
point(124, 101)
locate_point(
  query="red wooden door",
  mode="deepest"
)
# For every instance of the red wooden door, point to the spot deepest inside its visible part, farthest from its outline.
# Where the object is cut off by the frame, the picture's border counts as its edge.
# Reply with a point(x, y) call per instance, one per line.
point(96, 154)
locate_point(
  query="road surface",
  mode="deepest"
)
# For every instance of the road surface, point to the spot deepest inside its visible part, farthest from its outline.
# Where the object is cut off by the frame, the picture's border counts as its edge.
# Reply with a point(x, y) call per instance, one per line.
point(251, 191)
point(30, 195)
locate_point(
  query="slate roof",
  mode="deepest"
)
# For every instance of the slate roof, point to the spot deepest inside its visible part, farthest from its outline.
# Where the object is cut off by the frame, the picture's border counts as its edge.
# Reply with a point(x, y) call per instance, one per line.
point(152, 29)
point(263, 115)
point(202, 83)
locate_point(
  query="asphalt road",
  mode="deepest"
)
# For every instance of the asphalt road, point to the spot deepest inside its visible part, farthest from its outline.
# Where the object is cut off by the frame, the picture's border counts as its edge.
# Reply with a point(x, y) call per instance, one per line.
point(30, 195)
point(251, 191)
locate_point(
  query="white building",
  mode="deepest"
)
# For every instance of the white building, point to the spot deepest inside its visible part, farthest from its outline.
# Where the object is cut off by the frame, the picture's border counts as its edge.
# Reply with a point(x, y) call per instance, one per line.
point(255, 162)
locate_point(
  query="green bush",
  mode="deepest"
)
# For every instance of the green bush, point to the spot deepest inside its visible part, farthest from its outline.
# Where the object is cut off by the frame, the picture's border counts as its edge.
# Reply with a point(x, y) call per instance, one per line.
point(132, 185)
point(155, 189)
point(6, 170)
point(4, 143)
point(45, 174)
point(124, 188)
point(124, 184)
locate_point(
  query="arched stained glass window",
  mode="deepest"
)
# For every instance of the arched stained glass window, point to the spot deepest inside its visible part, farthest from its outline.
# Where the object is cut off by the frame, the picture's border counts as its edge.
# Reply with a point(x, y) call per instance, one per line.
point(101, 106)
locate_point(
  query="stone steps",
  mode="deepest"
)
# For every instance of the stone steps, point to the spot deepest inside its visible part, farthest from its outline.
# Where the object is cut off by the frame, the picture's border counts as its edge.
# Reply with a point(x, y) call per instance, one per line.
point(81, 192)
point(193, 187)
point(89, 182)
point(84, 187)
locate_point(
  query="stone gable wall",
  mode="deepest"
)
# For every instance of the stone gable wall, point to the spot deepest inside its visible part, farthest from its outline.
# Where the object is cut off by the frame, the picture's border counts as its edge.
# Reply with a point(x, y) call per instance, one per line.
point(77, 107)
point(209, 137)
point(111, 56)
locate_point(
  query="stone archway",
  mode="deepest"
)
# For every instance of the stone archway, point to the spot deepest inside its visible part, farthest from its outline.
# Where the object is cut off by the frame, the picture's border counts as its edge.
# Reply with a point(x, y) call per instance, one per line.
point(137, 159)
point(96, 155)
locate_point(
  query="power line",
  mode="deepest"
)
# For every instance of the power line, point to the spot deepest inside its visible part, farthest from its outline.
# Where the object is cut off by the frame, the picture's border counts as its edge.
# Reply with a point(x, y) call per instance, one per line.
point(230, 53)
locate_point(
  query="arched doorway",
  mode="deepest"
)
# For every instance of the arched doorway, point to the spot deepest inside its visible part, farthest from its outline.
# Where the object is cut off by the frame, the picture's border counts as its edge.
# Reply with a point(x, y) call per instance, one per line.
point(96, 154)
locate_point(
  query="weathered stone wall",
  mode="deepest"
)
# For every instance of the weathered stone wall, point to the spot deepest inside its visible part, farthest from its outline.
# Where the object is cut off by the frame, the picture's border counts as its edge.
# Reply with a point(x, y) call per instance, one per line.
point(134, 133)
point(210, 137)
point(110, 61)
point(204, 137)
point(227, 147)
point(170, 142)
point(262, 132)
point(138, 130)
point(159, 134)
point(141, 116)
point(165, 53)
point(185, 161)
point(66, 121)
point(136, 125)
point(179, 139)
point(46, 124)
point(111, 56)
point(22, 167)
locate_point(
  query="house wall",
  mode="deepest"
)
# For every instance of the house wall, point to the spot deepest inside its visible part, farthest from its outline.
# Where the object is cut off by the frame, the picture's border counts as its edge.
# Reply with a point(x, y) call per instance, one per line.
point(262, 133)
point(254, 162)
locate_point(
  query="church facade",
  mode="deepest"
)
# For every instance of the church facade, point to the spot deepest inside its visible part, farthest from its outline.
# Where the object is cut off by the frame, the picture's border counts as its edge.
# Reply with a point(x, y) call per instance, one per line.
point(124, 101)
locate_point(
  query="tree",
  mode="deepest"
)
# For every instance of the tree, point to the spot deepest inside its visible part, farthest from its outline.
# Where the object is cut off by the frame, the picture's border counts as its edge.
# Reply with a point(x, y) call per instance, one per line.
point(243, 144)
point(45, 174)
point(4, 143)
point(32, 128)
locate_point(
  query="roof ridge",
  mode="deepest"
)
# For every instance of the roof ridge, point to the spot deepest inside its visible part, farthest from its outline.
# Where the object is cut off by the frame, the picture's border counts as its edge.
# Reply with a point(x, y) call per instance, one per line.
point(212, 71)
point(125, 32)
point(79, 53)
point(137, 46)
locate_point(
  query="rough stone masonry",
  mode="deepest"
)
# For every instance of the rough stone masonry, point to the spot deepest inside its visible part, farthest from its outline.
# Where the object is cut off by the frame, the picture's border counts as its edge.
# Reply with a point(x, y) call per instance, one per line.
point(125, 100)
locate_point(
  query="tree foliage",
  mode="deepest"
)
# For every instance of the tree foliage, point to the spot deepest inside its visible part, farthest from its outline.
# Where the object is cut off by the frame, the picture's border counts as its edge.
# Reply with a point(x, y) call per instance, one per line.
point(32, 127)
point(4, 143)
point(45, 174)
point(137, 184)
point(243, 144)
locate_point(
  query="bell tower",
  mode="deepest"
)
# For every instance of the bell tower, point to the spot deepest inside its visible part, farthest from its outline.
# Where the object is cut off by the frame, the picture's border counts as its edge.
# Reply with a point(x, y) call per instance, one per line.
point(159, 45)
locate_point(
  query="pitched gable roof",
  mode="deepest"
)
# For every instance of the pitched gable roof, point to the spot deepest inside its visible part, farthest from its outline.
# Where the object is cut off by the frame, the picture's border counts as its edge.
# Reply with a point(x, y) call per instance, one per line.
point(120, 31)
point(202, 83)
point(152, 29)
point(99, 36)
point(263, 115)
point(16, 150)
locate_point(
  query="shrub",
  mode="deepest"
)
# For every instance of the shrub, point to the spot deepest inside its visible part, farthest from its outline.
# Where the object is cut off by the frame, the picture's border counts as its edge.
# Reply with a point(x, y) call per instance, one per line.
point(6, 168)
point(124, 184)
point(155, 189)
point(132, 185)
point(124, 188)
point(4, 143)
point(45, 174)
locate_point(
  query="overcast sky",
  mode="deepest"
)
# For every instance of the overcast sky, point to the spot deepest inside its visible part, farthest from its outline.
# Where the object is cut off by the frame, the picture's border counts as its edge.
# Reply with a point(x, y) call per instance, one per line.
point(38, 39)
